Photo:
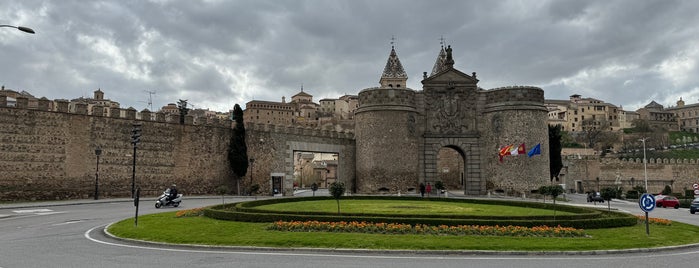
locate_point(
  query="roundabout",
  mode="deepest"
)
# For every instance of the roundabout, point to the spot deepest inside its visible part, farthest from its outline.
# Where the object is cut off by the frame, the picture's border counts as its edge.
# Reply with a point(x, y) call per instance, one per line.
point(71, 234)
point(247, 224)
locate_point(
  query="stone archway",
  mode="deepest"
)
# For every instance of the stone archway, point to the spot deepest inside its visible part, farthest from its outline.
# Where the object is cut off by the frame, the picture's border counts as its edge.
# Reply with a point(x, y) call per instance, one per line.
point(468, 156)
point(450, 167)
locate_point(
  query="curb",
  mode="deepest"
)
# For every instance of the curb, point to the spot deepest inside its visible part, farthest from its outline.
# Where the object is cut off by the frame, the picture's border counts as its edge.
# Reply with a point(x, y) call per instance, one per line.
point(399, 251)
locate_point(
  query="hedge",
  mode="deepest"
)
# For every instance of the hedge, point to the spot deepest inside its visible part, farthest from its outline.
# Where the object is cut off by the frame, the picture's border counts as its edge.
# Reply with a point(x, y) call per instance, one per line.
point(585, 219)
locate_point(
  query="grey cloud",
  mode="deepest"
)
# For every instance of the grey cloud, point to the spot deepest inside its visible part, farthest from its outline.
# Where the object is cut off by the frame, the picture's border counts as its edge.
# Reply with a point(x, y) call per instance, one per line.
point(218, 52)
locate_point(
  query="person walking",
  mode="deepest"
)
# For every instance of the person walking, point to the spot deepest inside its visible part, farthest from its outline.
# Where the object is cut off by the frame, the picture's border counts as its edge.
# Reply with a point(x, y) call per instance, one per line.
point(429, 189)
point(422, 189)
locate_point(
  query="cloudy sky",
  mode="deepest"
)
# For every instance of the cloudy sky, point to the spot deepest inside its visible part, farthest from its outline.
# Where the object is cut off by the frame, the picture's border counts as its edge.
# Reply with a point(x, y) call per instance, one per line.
point(216, 53)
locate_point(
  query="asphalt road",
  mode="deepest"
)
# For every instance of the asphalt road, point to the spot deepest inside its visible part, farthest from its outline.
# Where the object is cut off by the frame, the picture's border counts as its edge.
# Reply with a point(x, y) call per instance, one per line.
point(65, 234)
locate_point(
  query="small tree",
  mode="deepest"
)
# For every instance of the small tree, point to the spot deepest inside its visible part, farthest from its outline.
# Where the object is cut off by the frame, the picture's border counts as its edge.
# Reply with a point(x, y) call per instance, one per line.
point(337, 189)
point(554, 191)
point(607, 194)
point(222, 190)
point(314, 188)
point(667, 190)
point(440, 186)
point(544, 191)
point(254, 190)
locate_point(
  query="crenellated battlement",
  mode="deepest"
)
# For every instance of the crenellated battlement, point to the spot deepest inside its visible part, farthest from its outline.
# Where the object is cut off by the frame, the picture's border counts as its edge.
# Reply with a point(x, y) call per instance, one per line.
point(324, 132)
point(515, 93)
point(514, 97)
point(650, 161)
point(387, 98)
point(79, 108)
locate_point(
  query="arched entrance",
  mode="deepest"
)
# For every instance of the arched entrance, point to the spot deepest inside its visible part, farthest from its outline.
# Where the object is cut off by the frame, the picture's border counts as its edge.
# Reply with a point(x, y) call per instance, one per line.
point(450, 167)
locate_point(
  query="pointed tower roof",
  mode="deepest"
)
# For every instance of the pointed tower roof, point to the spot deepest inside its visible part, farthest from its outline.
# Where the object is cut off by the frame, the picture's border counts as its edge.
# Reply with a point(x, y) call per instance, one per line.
point(393, 74)
point(439, 64)
point(393, 67)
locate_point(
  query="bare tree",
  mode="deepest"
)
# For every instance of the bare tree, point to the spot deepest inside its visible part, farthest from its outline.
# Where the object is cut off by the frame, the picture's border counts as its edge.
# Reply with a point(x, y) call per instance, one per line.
point(594, 131)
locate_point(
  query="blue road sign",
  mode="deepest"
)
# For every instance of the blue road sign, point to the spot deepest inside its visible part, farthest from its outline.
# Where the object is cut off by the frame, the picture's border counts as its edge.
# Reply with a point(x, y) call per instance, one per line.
point(647, 202)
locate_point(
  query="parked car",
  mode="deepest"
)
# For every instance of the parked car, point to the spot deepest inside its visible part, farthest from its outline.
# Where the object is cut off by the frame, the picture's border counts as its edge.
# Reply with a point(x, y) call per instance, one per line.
point(667, 201)
point(694, 207)
point(595, 197)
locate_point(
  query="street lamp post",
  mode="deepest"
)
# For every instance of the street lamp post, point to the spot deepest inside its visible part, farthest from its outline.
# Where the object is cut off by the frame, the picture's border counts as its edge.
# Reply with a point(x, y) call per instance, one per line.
point(252, 169)
point(21, 28)
point(98, 152)
point(645, 170)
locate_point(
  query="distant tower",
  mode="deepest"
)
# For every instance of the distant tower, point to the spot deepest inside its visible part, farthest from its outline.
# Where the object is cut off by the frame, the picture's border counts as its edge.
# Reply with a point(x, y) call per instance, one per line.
point(98, 94)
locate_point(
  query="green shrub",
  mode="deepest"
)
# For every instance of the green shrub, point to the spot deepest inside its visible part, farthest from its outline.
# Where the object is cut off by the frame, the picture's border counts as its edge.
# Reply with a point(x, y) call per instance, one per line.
point(584, 219)
point(632, 195)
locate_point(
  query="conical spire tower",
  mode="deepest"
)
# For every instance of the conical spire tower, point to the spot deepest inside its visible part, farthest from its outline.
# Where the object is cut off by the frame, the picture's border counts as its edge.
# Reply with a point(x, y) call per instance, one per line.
point(393, 74)
point(440, 63)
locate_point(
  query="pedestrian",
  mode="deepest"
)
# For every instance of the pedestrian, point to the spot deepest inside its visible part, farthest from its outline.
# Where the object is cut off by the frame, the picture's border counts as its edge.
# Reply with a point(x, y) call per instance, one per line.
point(422, 189)
point(429, 189)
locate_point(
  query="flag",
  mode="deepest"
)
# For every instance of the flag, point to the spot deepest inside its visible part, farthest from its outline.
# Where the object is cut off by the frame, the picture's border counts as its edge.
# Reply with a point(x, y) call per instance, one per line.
point(505, 150)
point(534, 151)
point(518, 150)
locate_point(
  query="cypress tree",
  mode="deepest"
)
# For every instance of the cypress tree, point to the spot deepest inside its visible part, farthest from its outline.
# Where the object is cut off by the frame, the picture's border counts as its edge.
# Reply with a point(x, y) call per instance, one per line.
point(238, 150)
point(555, 151)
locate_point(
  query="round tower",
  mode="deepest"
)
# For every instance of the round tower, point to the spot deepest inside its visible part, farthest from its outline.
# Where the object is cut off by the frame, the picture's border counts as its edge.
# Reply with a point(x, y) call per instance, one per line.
point(385, 133)
point(516, 116)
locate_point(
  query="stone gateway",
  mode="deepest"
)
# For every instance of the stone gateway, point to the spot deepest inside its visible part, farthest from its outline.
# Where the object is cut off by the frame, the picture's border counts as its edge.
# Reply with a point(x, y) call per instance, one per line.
point(399, 132)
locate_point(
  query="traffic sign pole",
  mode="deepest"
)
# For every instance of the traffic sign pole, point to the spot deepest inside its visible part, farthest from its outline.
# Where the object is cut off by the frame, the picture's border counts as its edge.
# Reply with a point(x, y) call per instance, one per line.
point(647, 204)
point(647, 228)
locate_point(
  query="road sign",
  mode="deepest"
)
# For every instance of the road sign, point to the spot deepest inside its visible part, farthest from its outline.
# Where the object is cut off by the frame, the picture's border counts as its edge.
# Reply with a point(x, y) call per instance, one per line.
point(647, 202)
point(696, 192)
point(695, 186)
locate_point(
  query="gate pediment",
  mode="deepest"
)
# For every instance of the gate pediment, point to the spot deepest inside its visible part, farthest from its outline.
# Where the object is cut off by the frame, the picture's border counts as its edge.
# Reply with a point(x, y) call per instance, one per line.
point(450, 98)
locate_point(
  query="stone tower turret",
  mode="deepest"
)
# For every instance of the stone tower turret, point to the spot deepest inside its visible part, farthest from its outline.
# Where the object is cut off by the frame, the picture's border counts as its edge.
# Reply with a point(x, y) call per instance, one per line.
point(386, 133)
point(394, 75)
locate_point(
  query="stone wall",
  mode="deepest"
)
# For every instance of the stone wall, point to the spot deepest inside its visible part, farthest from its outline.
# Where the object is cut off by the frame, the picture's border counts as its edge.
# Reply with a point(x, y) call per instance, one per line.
point(274, 146)
point(51, 155)
point(680, 174)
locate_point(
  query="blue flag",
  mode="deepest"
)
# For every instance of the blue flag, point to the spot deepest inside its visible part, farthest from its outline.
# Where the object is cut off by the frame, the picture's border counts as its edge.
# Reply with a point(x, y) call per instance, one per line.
point(534, 151)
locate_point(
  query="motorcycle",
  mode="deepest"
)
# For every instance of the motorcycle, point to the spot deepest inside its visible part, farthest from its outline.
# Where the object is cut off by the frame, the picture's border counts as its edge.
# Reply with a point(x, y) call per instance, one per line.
point(163, 200)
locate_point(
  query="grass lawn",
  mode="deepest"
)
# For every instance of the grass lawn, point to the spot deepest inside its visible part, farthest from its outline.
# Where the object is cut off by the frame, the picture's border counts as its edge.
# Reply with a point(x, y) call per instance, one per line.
point(404, 207)
point(203, 230)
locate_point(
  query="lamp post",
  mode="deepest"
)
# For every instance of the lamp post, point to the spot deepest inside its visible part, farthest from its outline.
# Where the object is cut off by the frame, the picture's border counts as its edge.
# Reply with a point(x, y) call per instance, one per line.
point(252, 169)
point(21, 28)
point(98, 152)
point(645, 170)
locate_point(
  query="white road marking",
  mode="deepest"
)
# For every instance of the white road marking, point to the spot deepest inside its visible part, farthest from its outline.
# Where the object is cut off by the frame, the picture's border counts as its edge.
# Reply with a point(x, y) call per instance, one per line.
point(32, 210)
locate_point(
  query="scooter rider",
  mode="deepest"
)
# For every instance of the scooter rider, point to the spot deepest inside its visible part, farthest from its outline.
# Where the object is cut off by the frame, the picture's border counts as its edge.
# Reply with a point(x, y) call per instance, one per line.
point(173, 192)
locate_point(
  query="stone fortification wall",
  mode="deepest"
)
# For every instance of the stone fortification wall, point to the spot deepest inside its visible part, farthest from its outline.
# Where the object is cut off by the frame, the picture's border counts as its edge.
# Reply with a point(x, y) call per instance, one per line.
point(386, 99)
point(680, 174)
point(386, 140)
point(273, 148)
point(518, 96)
point(512, 116)
point(51, 155)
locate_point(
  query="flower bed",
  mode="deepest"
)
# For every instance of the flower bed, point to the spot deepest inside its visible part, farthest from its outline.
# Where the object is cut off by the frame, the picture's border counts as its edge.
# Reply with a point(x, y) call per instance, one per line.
point(195, 212)
point(659, 221)
point(395, 228)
